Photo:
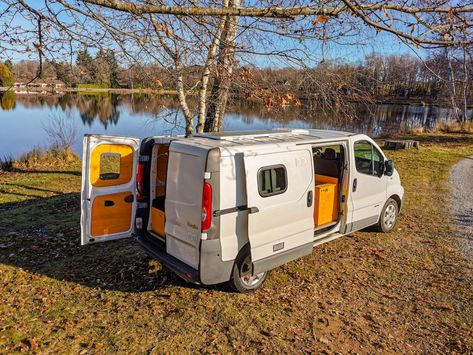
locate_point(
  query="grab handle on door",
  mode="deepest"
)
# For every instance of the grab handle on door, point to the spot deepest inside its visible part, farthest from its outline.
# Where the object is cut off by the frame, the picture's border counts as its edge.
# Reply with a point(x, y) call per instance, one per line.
point(108, 203)
point(310, 198)
point(253, 209)
point(355, 184)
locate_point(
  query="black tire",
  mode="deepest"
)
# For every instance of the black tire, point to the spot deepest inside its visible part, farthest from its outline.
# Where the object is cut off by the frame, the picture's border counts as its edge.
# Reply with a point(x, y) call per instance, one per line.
point(242, 279)
point(388, 218)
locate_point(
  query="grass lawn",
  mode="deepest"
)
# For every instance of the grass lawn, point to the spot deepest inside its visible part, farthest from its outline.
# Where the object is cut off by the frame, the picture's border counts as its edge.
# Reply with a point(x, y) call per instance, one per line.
point(406, 291)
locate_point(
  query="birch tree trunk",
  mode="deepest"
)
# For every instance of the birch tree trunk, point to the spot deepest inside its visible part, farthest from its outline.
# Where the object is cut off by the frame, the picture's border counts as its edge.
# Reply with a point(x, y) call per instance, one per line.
point(465, 86)
point(222, 82)
point(452, 85)
point(206, 73)
point(181, 95)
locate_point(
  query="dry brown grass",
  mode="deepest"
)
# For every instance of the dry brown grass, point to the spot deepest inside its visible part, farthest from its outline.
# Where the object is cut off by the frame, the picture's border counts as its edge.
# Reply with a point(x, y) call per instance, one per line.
point(416, 129)
point(40, 158)
point(408, 291)
point(454, 127)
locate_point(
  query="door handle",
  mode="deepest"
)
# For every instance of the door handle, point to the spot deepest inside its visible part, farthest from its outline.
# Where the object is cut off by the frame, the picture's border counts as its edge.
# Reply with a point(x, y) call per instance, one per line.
point(310, 198)
point(253, 209)
point(355, 184)
point(108, 203)
point(129, 198)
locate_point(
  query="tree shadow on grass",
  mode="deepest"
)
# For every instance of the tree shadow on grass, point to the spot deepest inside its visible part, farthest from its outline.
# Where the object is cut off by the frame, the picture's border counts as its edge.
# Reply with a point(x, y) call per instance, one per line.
point(52, 171)
point(43, 236)
point(452, 139)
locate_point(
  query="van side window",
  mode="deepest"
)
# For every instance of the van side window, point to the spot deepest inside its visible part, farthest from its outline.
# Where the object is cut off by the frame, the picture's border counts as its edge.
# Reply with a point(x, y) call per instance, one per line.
point(109, 166)
point(272, 180)
point(368, 159)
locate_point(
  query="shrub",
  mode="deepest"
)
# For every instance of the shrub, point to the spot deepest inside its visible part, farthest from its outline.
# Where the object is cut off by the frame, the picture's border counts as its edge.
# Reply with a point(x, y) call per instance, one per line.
point(6, 163)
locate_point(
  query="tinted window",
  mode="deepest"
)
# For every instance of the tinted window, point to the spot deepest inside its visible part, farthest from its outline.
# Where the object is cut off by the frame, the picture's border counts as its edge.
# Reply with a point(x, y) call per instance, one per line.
point(368, 159)
point(109, 166)
point(272, 180)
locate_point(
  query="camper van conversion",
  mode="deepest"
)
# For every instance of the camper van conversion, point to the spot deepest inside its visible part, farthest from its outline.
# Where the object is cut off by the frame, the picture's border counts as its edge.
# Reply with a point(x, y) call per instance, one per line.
point(229, 207)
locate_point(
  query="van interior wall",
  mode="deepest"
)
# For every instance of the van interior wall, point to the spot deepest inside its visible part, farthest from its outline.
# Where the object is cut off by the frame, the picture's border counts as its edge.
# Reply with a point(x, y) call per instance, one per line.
point(328, 163)
point(160, 164)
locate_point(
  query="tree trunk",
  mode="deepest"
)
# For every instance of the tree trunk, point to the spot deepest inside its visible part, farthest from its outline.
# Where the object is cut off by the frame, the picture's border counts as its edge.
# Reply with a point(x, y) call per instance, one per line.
point(464, 112)
point(452, 85)
point(222, 81)
point(206, 73)
point(181, 95)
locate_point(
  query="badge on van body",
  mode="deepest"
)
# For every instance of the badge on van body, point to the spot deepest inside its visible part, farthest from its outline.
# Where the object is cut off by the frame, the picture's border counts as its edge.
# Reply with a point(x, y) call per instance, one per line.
point(278, 246)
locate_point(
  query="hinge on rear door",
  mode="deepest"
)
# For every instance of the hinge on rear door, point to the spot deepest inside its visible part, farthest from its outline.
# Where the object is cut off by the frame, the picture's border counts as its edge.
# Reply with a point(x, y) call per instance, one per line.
point(343, 198)
point(143, 158)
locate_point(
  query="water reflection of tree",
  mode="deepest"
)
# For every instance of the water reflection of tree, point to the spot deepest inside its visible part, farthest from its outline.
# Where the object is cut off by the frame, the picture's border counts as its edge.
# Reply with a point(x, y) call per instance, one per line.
point(101, 107)
point(7, 100)
point(376, 120)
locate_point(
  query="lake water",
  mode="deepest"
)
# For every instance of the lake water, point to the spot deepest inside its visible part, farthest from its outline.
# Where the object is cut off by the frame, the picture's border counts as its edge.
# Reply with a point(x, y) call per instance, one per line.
point(24, 119)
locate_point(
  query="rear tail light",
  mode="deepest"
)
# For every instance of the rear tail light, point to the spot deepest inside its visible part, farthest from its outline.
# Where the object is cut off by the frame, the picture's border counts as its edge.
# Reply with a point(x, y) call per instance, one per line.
point(206, 207)
point(140, 181)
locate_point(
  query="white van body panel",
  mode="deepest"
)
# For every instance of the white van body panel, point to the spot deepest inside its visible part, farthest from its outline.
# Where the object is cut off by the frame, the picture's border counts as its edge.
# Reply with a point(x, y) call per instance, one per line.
point(283, 221)
point(184, 202)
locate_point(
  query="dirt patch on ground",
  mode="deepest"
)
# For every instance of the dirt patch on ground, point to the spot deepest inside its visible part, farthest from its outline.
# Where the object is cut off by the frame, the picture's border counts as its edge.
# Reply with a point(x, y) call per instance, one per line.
point(408, 291)
point(461, 182)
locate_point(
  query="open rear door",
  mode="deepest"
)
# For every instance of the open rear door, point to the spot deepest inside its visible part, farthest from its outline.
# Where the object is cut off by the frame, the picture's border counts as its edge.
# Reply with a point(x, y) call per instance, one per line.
point(280, 194)
point(109, 166)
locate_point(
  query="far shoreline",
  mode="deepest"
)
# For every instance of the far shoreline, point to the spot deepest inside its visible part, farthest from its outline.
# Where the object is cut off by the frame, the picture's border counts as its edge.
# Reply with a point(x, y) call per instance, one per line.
point(48, 90)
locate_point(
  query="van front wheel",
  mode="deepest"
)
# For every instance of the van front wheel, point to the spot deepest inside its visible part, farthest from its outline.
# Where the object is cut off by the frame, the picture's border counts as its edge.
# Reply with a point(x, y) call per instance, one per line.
point(242, 279)
point(388, 217)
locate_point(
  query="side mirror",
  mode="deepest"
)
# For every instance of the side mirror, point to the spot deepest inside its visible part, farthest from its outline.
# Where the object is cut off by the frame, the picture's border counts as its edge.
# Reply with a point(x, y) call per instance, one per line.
point(388, 167)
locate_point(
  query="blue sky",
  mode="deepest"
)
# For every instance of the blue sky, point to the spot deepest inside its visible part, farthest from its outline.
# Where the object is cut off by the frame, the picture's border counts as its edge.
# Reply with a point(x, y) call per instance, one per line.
point(381, 43)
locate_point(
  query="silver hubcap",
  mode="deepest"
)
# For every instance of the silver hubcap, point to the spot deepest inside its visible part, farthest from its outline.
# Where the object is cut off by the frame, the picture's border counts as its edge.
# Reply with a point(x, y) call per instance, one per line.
point(246, 273)
point(390, 216)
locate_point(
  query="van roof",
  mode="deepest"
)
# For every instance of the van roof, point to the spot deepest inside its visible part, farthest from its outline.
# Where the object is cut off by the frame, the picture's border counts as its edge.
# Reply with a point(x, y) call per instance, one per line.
point(246, 139)
point(277, 134)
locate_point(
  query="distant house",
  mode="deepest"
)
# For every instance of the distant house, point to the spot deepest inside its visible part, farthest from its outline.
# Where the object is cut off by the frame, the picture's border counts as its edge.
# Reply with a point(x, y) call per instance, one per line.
point(39, 83)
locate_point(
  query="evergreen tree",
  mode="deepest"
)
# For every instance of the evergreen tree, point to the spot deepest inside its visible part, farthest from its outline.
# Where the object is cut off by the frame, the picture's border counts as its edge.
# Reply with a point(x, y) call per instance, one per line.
point(9, 64)
point(113, 68)
point(64, 72)
point(101, 72)
point(85, 65)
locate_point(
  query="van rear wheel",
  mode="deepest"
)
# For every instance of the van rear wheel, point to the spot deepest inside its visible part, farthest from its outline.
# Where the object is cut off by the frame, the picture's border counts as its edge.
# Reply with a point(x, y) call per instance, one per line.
point(242, 279)
point(388, 217)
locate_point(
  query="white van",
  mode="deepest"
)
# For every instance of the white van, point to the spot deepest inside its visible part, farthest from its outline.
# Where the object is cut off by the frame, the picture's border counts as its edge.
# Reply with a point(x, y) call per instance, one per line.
point(229, 207)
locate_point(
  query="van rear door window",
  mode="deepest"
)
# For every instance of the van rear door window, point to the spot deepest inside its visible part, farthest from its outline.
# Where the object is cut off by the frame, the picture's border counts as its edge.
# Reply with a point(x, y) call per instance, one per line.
point(109, 166)
point(272, 180)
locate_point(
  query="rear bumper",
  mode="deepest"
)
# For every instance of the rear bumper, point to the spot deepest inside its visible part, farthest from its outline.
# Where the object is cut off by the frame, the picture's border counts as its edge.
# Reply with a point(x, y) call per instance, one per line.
point(157, 250)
